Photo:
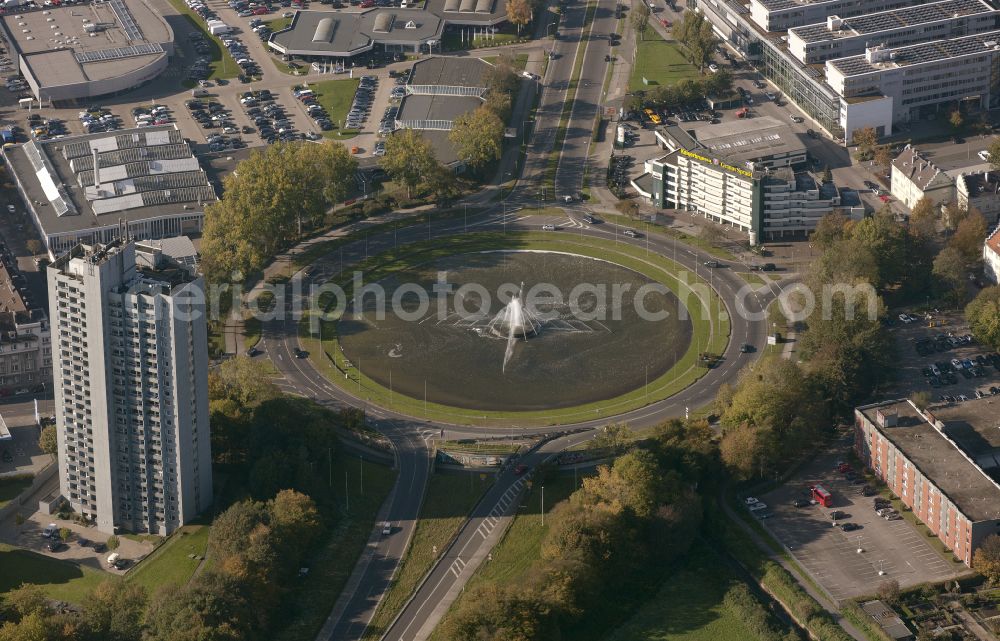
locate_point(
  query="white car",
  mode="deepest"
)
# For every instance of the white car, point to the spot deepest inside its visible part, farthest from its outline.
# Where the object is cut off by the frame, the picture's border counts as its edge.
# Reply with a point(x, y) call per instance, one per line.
point(757, 506)
point(530, 76)
point(50, 530)
point(769, 95)
point(386, 528)
point(904, 318)
point(548, 227)
point(713, 67)
point(10, 208)
point(750, 500)
point(984, 155)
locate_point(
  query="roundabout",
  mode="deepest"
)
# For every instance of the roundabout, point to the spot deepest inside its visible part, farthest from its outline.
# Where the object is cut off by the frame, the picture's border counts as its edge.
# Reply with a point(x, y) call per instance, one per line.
point(522, 328)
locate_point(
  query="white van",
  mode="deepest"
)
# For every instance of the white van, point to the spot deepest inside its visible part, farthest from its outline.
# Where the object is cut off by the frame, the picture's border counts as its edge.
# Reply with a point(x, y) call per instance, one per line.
point(113, 558)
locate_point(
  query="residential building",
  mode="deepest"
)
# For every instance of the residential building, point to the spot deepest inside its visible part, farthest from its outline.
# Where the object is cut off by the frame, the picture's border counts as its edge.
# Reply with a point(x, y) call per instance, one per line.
point(25, 347)
point(838, 37)
point(943, 463)
point(991, 256)
point(980, 191)
point(79, 188)
point(131, 387)
point(914, 177)
point(744, 179)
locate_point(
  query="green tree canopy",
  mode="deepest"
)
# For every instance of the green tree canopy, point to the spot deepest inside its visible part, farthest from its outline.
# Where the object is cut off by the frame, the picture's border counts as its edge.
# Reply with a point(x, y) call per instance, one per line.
point(478, 137)
point(268, 200)
point(409, 157)
point(983, 314)
point(696, 34)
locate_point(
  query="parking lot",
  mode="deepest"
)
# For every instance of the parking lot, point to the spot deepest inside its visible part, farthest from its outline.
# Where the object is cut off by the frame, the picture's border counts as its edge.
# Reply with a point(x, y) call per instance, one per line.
point(890, 549)
point(937, 355)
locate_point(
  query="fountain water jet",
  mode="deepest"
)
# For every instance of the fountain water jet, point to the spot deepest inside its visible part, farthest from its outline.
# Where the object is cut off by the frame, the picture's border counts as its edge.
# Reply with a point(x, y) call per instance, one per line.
point(513, 322)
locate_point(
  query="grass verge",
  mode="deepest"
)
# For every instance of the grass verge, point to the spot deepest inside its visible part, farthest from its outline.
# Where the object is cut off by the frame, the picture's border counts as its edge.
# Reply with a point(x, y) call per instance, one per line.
point(171, 563)
point(449, 499)
point(690, 604)
point(59, 580)
point(251, 332)
point(709, 320)
point(12, 486)
point(336, 96)
point(221, 62)
point(661, 63)
point(329, 568)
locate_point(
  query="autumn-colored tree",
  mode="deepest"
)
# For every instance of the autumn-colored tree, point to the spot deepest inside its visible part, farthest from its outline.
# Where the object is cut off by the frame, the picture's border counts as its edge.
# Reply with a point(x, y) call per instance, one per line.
point(408, 158)
point(640, 19)
point(519, 13)
point(983, 314)
point(969, 238)
point(478, 137)
point(923, 218)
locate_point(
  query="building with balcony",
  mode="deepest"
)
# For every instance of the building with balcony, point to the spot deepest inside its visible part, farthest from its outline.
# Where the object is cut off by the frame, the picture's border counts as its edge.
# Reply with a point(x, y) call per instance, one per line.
point(130, 372)
point(943, 463)
point(25, 348)
point(752, 180)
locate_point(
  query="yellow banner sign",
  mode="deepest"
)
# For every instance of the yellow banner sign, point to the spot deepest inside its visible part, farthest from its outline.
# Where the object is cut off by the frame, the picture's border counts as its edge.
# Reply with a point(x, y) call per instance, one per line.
point(716, 162)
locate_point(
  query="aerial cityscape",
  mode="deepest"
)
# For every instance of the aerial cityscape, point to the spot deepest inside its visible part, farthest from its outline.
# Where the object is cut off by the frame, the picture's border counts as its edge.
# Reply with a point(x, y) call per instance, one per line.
point(500, 320)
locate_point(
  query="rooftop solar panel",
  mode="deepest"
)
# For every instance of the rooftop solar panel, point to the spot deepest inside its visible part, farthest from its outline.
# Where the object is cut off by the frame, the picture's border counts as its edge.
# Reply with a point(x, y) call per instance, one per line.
point(102, 55)
point(125, 20)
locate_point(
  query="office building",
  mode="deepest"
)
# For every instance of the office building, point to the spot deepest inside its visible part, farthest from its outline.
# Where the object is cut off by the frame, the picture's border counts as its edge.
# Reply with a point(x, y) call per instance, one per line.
point(744, 177)
point(131, 387)
point(79, 188)
point(913, 177)
point(781, 15)
point(838, 37)
point(71, 54)
point(25, 348)
point(943, 463)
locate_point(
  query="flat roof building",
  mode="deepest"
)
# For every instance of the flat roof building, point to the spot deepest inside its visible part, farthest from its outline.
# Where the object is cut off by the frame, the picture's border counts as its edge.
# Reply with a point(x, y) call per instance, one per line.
point(840, 37)
point(780, 15)
point(25, 345)
point(338, 34)
point(131, 387)
point(943, 463)
point(146, 178)
point(76, 53)
point(744, 179)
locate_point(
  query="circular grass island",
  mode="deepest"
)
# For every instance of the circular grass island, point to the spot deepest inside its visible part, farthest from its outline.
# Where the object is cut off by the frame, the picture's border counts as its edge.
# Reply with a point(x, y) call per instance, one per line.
point(520, 329)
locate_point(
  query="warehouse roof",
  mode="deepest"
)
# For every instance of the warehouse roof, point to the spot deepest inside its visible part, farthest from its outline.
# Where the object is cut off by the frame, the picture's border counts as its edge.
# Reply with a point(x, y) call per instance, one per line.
point(423, 108)
point(450, 72)
point(143, 173)
point(740, 141)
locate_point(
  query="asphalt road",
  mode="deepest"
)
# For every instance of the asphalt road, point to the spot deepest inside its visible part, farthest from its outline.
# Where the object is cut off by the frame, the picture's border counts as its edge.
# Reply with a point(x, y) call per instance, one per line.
point(375, 569)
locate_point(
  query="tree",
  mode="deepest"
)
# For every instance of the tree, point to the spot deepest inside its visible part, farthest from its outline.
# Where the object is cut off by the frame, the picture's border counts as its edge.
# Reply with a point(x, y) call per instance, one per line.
point(921, 399)
point(983, 315)
point(408, 158)
point(114, 611)
point(986, 560)
point(640, 19)
point(888, 591)
point(830, 230)
point(923, 218)
point(213, 607)
point(34, 246)
point(994, 151)
point(48, 441)
point(741, 451)
point(883, 156)
point(865, 139)
point(970, 234)
point(268, 200)
point(719, 83)
point(615, 437)
point(886, 240)
point(632, 483)
point(956, 120)
point(950, 270)
point(443, 184)
point(695, 33)
point(64, 534)
point(478, 137)
point(519, 13)
point(952, 215)
point(827, 176)
point(113, 543)
point(244, 381)
point(27, 599)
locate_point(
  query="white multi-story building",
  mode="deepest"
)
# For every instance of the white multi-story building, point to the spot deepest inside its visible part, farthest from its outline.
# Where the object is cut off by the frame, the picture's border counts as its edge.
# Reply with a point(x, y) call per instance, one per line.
point(991, 256)
point(914, 177)
point(980, 190)
point(131, 387)
point(840, 37)
point(779, 15)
